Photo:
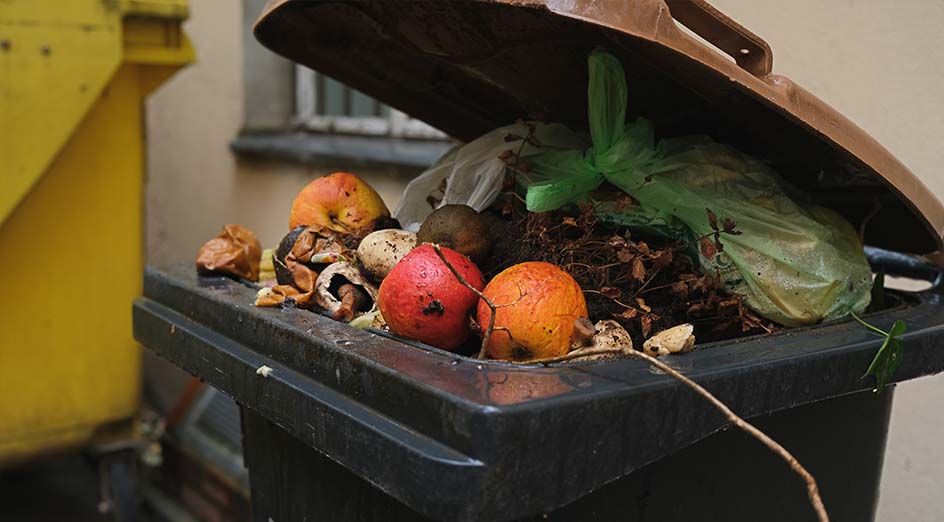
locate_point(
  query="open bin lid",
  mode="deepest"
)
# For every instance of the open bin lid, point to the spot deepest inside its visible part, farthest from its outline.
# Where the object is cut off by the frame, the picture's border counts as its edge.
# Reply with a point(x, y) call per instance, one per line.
point(470, 66)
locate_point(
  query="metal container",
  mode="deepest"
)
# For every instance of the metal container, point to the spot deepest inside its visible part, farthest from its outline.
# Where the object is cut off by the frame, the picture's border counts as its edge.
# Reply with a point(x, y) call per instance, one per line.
point(71, 238)
point(354, 425)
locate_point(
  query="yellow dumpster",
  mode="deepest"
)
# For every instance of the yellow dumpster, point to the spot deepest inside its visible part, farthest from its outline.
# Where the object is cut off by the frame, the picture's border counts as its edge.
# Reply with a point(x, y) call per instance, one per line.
point(73, 77)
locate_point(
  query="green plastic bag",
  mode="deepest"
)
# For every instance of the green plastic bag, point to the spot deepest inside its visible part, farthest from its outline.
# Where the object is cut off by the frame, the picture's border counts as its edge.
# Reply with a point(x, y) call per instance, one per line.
point(795, 265)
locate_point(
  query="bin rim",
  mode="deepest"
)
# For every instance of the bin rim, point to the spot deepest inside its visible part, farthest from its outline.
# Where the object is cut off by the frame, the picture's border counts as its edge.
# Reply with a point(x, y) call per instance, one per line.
point(493, 428)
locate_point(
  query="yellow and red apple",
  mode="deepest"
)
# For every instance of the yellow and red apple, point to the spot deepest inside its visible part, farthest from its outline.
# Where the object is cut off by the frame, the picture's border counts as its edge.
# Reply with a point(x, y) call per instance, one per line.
point(341, 202)
point(537, 304)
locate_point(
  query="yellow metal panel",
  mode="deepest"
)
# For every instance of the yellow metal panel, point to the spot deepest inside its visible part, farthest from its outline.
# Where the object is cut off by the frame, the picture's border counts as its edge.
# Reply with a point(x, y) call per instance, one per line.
point(156, 8)
point(70, 265)
point(54, 61)
point(157, 41)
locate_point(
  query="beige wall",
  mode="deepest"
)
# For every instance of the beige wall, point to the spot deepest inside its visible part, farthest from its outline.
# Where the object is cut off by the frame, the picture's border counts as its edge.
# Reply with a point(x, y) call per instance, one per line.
point(195, 184)
point(880, 62)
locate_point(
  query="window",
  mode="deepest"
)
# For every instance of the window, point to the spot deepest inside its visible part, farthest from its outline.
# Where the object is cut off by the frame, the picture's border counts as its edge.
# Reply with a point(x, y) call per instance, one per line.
point(293, 113)
point(326, 105)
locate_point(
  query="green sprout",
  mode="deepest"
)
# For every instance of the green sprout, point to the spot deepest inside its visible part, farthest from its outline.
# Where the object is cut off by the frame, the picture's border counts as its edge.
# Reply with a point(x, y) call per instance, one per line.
point(888, 357)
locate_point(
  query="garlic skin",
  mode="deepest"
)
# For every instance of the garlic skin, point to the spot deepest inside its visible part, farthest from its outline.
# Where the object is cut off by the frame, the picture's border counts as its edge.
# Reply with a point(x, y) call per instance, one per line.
point(327, 300)
point(380, 251)
point(678, 339)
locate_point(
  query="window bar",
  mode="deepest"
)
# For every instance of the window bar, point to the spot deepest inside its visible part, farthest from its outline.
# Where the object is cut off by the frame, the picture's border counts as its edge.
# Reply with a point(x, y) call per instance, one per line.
point(398, 122)
point(320, 104)
point(306, 93)
point(348, 103)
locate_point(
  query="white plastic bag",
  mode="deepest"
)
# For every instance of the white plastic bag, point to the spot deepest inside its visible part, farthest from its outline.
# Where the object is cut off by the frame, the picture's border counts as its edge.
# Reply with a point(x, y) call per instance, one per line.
point(472, 174)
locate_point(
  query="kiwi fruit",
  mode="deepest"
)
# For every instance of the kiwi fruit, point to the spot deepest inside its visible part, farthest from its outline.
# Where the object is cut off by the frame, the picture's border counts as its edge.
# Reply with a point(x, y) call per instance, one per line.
point(458, 227)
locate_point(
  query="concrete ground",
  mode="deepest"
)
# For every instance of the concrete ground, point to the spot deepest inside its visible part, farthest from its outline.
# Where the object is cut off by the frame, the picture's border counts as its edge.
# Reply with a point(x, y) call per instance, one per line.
point(64, 488)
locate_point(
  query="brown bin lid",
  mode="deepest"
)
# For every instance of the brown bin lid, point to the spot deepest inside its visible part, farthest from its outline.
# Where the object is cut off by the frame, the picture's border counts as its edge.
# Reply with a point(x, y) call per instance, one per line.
point(469, 66)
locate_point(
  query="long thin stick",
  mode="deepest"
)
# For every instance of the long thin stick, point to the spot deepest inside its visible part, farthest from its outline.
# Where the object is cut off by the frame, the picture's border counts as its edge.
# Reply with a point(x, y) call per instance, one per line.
point(491, 320)
point(811, 489)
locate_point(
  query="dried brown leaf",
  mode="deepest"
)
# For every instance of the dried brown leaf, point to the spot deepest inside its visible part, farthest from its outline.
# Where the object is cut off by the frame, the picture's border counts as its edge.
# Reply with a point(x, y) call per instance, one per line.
point(645, 324)
point(661, 259)
point(642, 305)
point(707, 247)
point(712, 219)
point(624, 255)
point(697, 308)
point(639, 270)
point(612, 293)
point(616, 242)
point(680, 289)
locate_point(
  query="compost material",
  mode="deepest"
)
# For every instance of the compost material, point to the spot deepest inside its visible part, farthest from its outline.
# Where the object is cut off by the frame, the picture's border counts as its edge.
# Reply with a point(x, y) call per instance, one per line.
point(647, 284)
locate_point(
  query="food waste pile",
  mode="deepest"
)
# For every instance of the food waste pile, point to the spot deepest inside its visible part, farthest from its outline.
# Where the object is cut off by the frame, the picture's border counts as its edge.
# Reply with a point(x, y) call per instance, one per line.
point(534, 243)
point(558, 282)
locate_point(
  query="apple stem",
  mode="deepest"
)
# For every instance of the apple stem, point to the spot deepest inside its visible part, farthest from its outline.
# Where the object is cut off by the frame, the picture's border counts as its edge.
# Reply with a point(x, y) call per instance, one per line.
point(811, 488)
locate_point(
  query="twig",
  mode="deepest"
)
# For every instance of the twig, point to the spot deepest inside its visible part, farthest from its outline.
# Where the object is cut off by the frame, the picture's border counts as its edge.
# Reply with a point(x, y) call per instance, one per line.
point(868, 217)
point(644, 285)
point(488, 302)
point(617, 301)
point(811, 489)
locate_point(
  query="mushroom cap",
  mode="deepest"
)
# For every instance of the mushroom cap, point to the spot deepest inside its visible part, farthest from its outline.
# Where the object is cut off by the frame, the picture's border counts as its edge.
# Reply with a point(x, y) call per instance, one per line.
point(327, 282)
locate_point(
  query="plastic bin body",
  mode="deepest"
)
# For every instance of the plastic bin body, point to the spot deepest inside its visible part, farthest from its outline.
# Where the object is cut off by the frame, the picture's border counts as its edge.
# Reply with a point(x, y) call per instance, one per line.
point(727, 477)
point(71, 230)
point(427, 433)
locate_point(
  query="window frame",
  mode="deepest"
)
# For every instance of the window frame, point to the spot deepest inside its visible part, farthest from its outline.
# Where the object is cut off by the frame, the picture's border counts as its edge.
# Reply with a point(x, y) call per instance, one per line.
point(397, 125)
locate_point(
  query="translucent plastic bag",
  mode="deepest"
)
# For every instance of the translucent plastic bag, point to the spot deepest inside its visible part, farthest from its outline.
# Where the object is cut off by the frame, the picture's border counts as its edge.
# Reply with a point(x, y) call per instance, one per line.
point(472, 174)
point(792, 264)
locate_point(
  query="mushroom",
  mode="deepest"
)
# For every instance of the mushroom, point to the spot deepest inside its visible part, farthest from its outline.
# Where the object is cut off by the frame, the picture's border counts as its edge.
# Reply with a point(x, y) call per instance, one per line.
point(309, 247)
point(606, 334)
point(342, 290)
point(677, 339)
point(380, 251)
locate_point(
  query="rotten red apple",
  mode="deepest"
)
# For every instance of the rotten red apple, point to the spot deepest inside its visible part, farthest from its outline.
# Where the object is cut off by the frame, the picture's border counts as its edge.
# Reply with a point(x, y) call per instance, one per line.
point(421, 299)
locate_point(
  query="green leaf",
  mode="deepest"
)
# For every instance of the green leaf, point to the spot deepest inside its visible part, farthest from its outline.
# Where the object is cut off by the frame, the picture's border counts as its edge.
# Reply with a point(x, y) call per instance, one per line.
point(889, 355)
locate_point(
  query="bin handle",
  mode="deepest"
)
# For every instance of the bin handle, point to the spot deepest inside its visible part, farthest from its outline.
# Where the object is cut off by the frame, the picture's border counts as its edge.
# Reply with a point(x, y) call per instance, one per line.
point(749, 51)
point(905, 265)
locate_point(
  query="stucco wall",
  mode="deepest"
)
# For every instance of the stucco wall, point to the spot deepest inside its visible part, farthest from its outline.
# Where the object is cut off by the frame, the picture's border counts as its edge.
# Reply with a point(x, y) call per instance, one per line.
point(195, 184)
point(880, 62)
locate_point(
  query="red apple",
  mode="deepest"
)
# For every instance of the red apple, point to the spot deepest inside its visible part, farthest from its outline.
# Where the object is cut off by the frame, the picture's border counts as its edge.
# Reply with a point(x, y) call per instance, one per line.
point(341, 202)
point(421, 299)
